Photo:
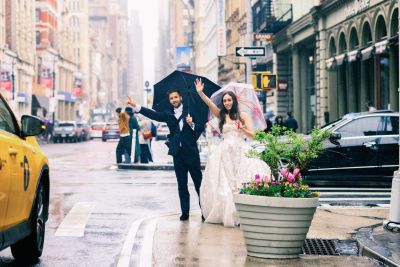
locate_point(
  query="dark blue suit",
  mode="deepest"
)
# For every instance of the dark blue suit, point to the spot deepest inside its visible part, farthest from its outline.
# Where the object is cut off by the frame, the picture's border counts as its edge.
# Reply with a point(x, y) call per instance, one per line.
point(183, 148)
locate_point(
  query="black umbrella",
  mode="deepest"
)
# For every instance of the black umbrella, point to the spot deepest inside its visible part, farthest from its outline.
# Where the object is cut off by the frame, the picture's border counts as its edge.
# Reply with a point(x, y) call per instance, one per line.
point(184, 83)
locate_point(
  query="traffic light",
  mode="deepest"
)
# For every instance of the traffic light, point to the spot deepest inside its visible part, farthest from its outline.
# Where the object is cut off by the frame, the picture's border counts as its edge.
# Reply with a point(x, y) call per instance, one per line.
point(264, 80)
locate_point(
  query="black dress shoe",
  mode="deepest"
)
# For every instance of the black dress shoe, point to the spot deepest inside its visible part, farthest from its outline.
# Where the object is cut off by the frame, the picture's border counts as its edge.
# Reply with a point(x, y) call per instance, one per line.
point(202, 218)
point(184, 216)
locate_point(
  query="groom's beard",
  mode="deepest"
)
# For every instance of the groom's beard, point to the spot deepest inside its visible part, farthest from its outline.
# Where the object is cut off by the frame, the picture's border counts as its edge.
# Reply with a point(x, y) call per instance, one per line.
point(177, 105)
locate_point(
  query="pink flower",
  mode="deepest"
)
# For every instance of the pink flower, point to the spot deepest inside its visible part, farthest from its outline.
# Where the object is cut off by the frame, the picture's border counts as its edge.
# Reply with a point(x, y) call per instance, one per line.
point(266, 179)
point(257, 177)
point(284, 172)
point(291, 178)
point(296, 172)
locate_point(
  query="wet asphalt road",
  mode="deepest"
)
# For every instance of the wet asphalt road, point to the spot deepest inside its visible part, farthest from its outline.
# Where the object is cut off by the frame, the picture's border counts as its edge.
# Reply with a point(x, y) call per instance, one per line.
point(84, 172)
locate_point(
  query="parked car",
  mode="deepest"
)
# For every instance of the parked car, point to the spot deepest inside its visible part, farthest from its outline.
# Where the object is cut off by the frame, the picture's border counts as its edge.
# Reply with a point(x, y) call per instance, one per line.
point(363, 150)
point(24, 186)
point(162, 131)
point(84, 127)
point(67, 131)
point(111, 131)
point(96, 129)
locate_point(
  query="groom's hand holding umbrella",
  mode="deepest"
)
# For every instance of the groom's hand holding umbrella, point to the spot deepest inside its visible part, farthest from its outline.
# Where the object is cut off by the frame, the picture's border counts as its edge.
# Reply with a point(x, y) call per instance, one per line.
point(189, 120)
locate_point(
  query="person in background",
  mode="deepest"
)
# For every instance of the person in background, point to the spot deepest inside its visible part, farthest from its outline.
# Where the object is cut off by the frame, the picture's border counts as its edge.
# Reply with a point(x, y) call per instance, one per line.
point(290, 122)
point(144, 139)
point(134, 129)
point(123, 146)
point(269, 125)
point(370, 106)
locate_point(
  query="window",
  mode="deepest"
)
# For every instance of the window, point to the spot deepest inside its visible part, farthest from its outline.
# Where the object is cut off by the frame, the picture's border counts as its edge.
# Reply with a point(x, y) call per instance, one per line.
point(37, 15)
point(37, 37)
point(6, 119)
point(391, 126)
point(361, 127)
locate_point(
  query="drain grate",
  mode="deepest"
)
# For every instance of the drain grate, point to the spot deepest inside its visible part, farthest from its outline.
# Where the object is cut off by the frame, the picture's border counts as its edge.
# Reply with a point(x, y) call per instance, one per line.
point(320, 247)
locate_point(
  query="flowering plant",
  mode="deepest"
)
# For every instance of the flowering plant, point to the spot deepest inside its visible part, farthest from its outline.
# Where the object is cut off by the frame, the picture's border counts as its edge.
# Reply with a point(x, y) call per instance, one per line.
point(286, 155)
point(290, 184)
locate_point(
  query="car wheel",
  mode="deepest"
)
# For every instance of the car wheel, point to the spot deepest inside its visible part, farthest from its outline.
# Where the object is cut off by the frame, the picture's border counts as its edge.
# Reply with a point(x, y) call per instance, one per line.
point(30, 248)
point(103, 140)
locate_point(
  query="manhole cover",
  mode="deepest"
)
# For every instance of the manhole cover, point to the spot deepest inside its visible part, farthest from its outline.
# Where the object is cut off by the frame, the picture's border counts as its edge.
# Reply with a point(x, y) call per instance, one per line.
point(319, 247)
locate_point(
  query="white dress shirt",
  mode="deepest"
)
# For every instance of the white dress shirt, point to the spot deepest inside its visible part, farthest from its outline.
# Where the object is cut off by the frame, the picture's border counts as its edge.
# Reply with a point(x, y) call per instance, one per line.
point(177, 112)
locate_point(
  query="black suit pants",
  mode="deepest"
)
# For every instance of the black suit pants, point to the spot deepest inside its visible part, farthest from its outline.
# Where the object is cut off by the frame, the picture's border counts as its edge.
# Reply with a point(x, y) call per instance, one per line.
point(185, 162)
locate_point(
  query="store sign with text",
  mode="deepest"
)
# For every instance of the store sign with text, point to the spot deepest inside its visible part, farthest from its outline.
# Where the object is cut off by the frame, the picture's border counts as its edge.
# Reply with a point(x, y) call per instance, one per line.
point(356, 7)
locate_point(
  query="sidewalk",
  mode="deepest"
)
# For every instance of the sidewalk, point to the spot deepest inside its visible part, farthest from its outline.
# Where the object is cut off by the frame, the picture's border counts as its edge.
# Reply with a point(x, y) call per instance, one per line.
point(194, 243)
point(380, 244)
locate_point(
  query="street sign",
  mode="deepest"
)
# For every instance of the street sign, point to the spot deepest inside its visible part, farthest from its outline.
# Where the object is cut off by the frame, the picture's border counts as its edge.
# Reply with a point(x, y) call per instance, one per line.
point(254, 51)
point(146, 84)
point(263, 37)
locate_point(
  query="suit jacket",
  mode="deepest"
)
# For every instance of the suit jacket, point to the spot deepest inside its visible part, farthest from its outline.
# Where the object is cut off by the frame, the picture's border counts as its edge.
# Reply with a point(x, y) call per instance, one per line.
point(185, 138)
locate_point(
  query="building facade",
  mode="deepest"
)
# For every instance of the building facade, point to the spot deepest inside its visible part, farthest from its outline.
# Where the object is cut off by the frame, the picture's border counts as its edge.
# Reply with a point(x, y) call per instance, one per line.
point(230, 67)
point(18, 61)
point(78, 20)
point(338, 57)
point(206, 56)
point(181, 32)
point(135, 68)
point(109, 46)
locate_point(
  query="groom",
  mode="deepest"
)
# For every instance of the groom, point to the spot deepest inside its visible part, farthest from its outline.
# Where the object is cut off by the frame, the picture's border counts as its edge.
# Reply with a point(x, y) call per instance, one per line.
point(182, 143)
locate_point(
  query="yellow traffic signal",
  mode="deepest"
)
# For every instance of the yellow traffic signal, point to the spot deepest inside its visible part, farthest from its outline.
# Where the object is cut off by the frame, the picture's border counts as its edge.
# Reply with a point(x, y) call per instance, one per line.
point(264, 80)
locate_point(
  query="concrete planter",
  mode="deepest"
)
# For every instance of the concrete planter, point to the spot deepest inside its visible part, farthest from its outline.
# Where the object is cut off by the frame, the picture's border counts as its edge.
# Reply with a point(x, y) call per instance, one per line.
point(274, 227)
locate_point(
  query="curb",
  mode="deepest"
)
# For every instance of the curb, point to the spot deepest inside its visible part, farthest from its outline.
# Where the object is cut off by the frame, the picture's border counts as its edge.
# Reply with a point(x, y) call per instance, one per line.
point(370, 248)
point(149, 167)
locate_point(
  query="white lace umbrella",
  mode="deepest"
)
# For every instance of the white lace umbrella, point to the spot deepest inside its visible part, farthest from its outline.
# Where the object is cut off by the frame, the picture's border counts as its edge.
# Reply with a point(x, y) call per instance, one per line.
point(248, 103)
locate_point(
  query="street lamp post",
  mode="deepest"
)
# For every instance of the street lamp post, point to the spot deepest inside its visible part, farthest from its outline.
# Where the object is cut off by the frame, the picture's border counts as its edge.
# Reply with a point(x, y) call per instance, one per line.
point(147, 90)
point(54, 88)
point(393, 224)
point(13, 81)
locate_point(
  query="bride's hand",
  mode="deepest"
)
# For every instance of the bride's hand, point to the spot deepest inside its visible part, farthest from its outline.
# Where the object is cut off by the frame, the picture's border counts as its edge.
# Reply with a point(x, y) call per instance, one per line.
point(199, 85)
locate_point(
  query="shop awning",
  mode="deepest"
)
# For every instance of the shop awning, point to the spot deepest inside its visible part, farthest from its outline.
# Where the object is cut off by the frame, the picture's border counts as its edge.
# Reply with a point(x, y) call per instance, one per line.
point(381, 47)
point(330, 63)
point(65, 96)
point(367, 53)
point(40, 102)
point(340, 59)
point(353, 55)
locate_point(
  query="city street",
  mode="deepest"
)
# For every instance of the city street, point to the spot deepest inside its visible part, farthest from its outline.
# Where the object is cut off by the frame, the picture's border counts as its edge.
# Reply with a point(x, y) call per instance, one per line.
point(84, 174)
point(94, 206)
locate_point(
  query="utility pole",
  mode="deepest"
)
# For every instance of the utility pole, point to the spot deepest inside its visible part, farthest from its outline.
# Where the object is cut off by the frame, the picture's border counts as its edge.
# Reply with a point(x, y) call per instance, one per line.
point(13, 79)
point(54, 88)
point(393, 224)
point(249, 37)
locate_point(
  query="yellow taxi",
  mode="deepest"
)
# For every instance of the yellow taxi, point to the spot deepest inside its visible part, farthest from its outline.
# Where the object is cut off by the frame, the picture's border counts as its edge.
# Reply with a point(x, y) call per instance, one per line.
point(24, 185)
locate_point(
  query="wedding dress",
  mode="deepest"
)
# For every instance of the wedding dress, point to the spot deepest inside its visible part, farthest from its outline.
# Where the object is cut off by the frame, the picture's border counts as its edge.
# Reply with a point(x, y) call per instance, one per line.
point(227, 168)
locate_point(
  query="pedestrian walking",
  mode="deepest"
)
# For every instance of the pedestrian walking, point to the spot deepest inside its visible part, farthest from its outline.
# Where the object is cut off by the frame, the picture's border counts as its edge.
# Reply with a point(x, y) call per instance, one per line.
point(144, 139)
point(134, 129)
point(123, 146)
point(290, 122)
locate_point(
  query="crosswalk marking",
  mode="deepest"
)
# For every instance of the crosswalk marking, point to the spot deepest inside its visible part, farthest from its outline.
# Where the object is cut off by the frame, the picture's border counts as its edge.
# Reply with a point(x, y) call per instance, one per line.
point(75, 222)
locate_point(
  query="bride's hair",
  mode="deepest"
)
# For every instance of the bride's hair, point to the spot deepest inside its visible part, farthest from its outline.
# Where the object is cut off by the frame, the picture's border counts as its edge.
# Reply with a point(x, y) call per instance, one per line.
point(233, 113)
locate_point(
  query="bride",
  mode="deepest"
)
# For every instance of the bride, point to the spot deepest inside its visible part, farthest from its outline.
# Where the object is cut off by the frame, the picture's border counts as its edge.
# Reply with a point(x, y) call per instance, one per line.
point(227, 166)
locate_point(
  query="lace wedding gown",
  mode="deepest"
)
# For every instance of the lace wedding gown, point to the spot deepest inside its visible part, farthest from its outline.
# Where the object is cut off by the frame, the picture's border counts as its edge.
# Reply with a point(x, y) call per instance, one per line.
point(227, 168)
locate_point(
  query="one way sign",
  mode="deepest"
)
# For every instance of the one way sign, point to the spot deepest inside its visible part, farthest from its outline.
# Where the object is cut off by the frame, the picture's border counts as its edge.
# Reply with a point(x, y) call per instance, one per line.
point(253, 51)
